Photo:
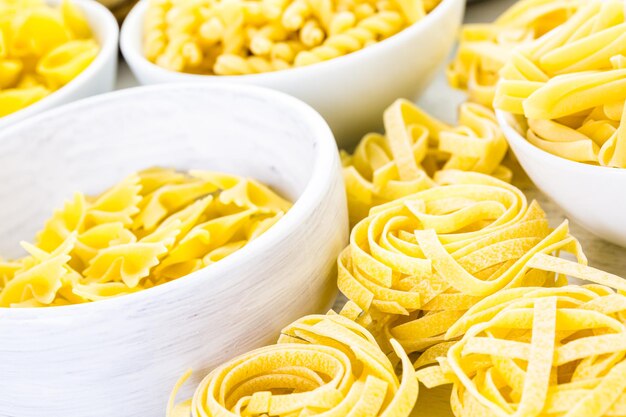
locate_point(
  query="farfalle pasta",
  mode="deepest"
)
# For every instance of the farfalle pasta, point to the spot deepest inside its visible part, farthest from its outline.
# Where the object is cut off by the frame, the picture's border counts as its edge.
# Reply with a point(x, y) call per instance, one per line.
point(415, 265)
point(42, 48)
point(153, 227)
point(237, 37)
point(322, 365)
point(485, 48)
point(570, 86)
point(540, 351)
point(416, 145)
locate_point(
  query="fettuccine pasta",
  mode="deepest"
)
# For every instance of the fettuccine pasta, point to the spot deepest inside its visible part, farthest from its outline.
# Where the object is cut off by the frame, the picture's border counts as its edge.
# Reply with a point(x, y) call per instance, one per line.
point(540, 351)
point(322, 365)
point(486, 47)
point(416, 145)
point(151, 228)
point(570, 86)
point(41, 49)
point(237, 37)
point(415, 265)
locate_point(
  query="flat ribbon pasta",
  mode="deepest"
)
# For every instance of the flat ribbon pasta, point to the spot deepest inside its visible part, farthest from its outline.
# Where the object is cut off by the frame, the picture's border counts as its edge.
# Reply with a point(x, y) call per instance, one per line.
point(322, 365)
point(485, 48)
point(41, 49)
point(570, 87)
point(415, 265)
point(540, 351)
point(416, 145)
point(152, 227)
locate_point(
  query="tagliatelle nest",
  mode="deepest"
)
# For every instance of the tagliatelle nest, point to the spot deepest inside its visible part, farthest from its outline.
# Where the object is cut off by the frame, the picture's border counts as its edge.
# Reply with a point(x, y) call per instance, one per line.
point(540, 352)
point(415, 265)
point(321, 365)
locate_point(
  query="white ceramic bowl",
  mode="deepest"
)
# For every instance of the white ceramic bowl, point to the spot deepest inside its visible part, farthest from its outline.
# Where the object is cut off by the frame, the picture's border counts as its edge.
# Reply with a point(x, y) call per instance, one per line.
point(351, 91)
point(99, 77)
point(590, 195)
point(120, 357)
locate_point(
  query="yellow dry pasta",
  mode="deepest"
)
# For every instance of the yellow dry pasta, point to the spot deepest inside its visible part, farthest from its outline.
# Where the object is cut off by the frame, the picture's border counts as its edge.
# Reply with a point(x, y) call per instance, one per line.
point(416, 145)
point(485, 48)
point(41, 49)
point(238, 37)
point(570, 87)
point(322, 365)
point(416, 264)
point(540, 351)
point(153, 227)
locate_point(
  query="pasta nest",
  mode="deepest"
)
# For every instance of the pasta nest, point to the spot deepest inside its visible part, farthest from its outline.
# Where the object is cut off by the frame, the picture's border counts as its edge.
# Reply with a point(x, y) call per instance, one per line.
point(570, 87)
point(539, 352)
point(486, 47)
point(415, 265)
point(416, 145)
point(322, 365)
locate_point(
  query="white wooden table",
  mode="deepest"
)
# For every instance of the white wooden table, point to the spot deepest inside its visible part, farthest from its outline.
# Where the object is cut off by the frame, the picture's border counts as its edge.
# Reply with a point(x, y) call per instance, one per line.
point(442, 101)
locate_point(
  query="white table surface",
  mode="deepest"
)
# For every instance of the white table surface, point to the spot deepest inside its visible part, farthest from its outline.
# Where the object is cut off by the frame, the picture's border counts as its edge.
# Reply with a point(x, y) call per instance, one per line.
point(442, 101)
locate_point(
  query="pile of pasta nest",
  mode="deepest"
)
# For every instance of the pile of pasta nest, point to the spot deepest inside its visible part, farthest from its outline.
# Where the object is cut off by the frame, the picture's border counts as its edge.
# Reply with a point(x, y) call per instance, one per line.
point(453, 277)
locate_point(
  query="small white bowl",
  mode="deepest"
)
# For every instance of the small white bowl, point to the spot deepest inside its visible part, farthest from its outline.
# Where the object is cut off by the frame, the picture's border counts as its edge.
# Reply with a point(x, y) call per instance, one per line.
point(99, 77)
point(590, 195)
point(350, 92)
point(121, 357)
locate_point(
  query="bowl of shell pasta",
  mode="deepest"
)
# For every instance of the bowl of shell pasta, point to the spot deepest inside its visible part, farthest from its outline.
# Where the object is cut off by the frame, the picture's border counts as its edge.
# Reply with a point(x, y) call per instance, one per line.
point(146, 230)
point(347, 59)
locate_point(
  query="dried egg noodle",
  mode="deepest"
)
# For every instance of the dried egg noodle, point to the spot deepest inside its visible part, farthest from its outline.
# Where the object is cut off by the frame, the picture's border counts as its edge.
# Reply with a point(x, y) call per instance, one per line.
point(153, 227)
point(415, 265)
point(236, 37)
point(540, 351)
point(322, 365)
point(571, 86)
point(41, 49)
point(485, 48)
point(416, 145)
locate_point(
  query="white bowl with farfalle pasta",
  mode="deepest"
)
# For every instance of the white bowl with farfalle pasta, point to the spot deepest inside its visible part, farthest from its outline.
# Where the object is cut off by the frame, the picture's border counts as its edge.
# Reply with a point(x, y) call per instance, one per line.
point(348, 68)
point(120, 356)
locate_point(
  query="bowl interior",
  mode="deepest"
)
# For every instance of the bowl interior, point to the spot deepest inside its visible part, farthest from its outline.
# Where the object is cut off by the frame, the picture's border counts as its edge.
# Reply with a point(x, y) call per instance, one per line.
point(89, 146)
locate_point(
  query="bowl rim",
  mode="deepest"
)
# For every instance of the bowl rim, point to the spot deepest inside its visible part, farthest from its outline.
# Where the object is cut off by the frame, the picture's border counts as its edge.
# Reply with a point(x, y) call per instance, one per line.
point(94, 11)
point(136, 59)
point(325, 152)
point(516, 140)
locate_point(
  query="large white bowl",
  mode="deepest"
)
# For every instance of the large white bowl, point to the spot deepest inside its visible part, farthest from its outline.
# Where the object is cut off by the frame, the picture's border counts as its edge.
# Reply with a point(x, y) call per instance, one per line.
point(99, 77)
point(351, 91)
point(121, 357)
point(590, 195)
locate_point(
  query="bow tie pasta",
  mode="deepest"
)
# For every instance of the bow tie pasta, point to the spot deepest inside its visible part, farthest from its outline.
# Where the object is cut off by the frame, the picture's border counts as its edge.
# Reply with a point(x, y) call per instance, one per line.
point(236, 37)
point(570, 86)
point(321, 365)
point(540, 351)
point(153, 227)
point(41, 49)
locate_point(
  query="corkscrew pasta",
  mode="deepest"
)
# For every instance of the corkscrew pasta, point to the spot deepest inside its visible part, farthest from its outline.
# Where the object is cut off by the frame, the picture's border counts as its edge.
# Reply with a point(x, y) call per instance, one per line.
point(570, 87)
point(540, 351)
point(321, 365)
point(237, 37)
point(415, 265)
point(485, 48)
point(416, 145)
point(41, 49)
point(151, 228)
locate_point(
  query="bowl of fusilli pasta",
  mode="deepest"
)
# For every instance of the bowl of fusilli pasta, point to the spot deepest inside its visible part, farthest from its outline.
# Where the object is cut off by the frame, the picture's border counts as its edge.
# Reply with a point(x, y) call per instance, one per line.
point(125, 287)
point(53, 52)
point(347, 59)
